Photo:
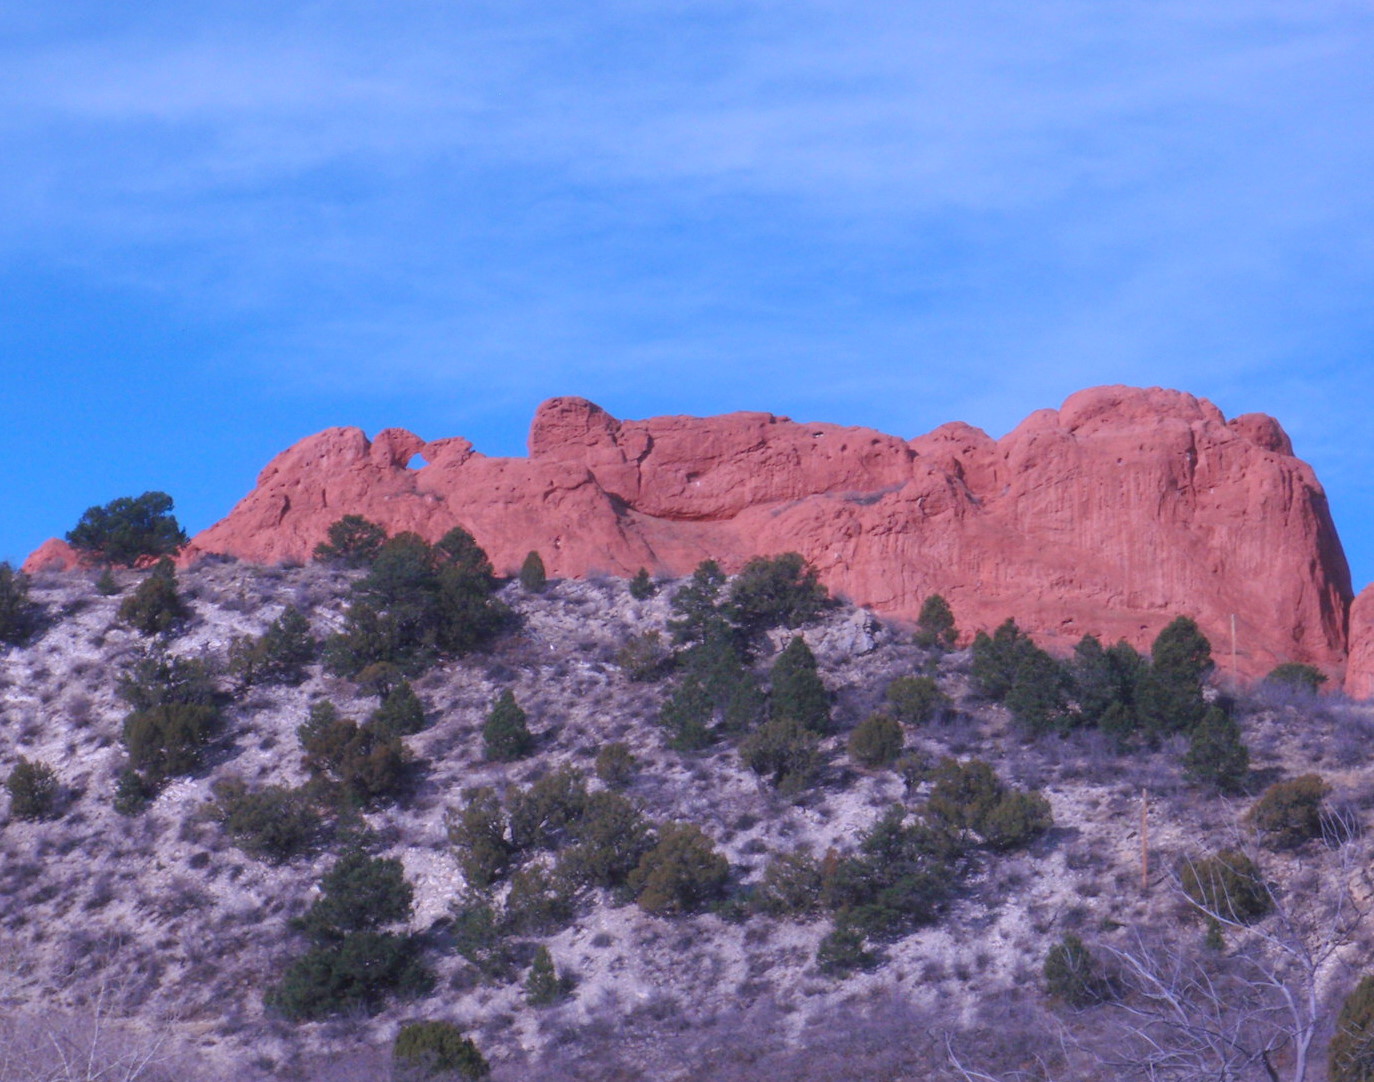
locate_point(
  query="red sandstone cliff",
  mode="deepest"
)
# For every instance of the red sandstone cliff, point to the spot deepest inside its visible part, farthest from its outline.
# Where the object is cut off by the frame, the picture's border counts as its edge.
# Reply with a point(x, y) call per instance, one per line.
point(1112, 514)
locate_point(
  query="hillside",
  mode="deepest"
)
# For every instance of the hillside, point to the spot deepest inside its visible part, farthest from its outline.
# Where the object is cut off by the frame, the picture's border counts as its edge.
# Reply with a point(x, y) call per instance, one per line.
point(162, 920)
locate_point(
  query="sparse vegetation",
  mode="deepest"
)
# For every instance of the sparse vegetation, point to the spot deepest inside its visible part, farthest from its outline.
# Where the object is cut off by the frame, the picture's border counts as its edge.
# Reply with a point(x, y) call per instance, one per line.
point(944, 872)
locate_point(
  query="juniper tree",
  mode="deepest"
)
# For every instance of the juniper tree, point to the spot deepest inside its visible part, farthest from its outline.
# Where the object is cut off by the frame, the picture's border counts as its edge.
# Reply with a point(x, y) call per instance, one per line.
point(128, 529)
point(505, 734)
point(935, 624)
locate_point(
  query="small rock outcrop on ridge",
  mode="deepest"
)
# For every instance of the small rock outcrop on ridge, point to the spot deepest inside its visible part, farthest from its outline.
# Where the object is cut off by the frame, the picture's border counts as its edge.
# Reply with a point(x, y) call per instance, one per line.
point(1110, 515)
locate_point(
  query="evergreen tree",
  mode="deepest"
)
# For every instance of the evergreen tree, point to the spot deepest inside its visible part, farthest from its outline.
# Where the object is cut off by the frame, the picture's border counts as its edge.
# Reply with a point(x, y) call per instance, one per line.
point(545, 986)
point(797, 690)
point(155, 608)
point(1170, 699)
point(996, 658)
point(532, 575)
point(478, 837)
point(400, 714)
point(687, 714)
point(696, 606)
point(1216, 753)
point(353, 541)
point(33, 790)
point(681, 873)
point(436, 1050)
point(776, 591)
point(505, 734)
point(876, 741)
point(935, 625)
point(1038, 696)
point(1071, 973)
point(917, 699)
point(19, 616)
point(127, 530)
point(783, 751)
point(642, 586)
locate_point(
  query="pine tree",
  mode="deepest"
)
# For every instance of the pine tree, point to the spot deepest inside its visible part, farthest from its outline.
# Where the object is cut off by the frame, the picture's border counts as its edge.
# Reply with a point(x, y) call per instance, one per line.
point(1170, 698)
point(798, 692)
point(642, 586)
point(544, 986)
point(1216, 753)
point(935, 625)
point(505, 734)
point(532, 575)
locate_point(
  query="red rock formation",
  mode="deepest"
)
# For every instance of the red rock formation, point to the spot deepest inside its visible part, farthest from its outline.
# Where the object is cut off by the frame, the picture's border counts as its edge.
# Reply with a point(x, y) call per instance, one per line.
point(54, 554)
point(1113, 514)
point(1359, 677)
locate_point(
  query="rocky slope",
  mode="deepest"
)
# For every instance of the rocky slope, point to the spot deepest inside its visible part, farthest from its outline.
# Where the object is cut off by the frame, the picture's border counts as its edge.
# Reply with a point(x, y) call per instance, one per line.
point(1111, 515)
point(159, 920)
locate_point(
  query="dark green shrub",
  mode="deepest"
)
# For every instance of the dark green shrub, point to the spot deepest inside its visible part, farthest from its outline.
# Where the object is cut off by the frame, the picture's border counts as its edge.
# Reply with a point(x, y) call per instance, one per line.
point(935, 625)
point(128, 529)
point(478, 836)
point(797, 690)
point(505, 734)
point(681, 873)
point(479, 937)
point(353, 541)
point(775, 591)
point(417, 602)
point(1071, 974)
point(159, 679)
point(1016, 820)
point(784, 752)
point(611, 838)
point(358, 972)
point(364, 765)
point(616, 764)
point(964, 794)
point(996, 658)
point(1289, 813)
point(687, 715)
point(545, 986)
point(898, 879)
point(542, 815)
point(1291, 674)
point(791, 885)
point(279, 655)
point(427, 1050)
point(164, 741)
point(1227, 885)
point(917, 700)
point(105, 584)
point(736, 701)
point(133, 792)
point(1038, 696)
point(844, 950)
point(155, 608)
point(876, 741)
point(696, 606)
point(1104, 686)
point(538, 902)
point(642, 586)
point(644, 658)
point(532, 575)
point(1216, 753)
point(274, 822)
point(19, 616)
point(1169, 699)
point(33, 789)
point(359, 893)
point(970, 797)
point(401, 712)
point(1351, 1055)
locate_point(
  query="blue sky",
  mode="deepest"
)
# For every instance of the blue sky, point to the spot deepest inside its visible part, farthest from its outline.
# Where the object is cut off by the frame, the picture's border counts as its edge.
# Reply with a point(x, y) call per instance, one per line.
point(226, 226)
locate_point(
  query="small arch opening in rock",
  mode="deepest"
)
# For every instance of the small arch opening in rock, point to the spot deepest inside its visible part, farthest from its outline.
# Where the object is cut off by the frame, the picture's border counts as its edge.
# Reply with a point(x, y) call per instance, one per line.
point(417, 462)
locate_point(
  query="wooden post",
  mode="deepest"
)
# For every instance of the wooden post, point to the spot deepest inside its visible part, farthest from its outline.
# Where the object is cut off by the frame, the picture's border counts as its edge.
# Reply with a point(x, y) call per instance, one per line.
point(1144, 841)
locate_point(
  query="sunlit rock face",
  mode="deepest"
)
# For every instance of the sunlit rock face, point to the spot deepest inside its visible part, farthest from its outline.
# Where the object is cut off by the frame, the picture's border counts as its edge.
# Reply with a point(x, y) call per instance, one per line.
point(1113, 514)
